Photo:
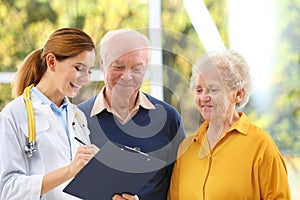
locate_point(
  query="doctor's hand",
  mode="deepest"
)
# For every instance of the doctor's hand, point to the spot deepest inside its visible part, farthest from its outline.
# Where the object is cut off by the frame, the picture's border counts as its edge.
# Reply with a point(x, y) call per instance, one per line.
point(125, 197)
point(83, 155)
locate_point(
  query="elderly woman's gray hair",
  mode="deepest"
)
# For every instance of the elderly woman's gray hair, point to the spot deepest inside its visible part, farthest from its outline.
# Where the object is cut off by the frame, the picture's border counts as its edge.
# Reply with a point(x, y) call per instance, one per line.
point(232, 68)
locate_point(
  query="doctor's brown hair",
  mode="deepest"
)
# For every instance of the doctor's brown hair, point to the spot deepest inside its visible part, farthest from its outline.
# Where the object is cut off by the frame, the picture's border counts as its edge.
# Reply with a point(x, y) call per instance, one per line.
point(63, 43)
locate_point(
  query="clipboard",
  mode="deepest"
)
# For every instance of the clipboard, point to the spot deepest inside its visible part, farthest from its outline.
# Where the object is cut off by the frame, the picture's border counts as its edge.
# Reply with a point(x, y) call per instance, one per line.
point(115, 169)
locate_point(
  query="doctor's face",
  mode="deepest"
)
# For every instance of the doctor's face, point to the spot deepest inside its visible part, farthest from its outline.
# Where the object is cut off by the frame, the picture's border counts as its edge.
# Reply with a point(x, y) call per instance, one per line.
point(72, 73)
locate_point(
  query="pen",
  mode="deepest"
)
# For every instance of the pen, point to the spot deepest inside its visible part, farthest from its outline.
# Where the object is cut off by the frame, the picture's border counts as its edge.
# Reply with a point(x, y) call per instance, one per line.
point(76, 138)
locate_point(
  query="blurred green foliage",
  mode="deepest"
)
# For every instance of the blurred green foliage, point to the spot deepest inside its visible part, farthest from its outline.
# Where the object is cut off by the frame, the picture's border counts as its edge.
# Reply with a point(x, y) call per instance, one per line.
point(26, 25)
point(5, 94)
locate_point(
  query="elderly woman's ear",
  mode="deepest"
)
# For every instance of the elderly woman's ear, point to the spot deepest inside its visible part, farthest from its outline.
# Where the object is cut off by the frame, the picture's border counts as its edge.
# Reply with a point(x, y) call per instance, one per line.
point(239, 95)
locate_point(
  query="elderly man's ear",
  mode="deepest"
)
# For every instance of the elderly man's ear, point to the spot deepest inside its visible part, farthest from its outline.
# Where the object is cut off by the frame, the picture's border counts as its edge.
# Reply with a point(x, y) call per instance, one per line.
point(101, 63)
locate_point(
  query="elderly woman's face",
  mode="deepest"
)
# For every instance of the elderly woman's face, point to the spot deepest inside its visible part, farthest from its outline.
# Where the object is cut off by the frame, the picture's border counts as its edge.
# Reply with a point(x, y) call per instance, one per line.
point(214, 101)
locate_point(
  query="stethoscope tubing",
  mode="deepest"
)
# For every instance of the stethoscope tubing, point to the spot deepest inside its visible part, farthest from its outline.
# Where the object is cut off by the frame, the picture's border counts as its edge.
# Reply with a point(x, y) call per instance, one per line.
point(30, 148)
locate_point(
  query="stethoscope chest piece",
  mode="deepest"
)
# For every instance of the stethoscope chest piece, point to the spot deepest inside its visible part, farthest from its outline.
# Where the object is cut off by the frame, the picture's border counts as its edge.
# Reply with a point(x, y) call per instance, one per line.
point(30, 149)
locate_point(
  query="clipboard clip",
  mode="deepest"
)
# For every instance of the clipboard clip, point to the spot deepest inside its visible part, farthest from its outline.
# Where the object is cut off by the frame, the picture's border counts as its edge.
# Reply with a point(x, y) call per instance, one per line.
point(135, 149)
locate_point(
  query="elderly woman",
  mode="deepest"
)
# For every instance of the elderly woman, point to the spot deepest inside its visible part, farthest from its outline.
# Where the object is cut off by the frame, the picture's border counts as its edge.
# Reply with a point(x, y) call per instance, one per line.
point(228, 157)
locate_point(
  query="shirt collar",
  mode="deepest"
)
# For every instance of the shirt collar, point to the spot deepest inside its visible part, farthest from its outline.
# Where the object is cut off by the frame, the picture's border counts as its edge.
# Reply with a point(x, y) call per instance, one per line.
point(47, 101)
point(241, 126)
point(101, 103)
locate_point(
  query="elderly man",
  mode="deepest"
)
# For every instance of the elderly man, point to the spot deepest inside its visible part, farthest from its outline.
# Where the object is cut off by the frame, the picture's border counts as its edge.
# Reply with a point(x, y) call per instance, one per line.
point(122, 114)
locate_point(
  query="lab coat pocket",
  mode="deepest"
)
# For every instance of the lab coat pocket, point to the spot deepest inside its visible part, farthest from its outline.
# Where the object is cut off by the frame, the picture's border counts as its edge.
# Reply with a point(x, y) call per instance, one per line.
point(81, 131)
point(41, 126)
point(35, 164)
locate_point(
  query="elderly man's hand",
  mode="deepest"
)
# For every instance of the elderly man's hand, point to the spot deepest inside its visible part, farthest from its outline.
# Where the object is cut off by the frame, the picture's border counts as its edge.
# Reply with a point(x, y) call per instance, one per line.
point(125, 197)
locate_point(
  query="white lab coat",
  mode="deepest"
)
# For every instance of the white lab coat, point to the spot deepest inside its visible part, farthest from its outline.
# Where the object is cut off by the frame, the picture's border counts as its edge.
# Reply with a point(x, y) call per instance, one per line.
point(21, 177)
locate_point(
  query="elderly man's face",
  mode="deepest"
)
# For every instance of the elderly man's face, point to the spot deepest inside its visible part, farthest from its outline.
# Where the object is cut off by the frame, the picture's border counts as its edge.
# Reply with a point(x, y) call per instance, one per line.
point(124, 76)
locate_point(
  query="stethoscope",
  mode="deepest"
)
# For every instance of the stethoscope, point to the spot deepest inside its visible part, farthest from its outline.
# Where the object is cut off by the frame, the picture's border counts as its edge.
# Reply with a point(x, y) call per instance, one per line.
point(30, 148)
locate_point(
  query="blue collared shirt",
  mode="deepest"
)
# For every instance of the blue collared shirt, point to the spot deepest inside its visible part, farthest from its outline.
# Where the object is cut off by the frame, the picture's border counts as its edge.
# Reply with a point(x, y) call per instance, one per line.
point(60, 112)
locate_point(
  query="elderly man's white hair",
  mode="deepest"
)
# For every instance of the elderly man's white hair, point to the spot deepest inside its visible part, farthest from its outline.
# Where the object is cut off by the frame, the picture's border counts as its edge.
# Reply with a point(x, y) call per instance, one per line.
point(135, 40)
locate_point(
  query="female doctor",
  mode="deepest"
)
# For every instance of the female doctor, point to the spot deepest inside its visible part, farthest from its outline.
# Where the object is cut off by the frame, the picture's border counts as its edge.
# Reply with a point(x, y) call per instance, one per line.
point(39, 154)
